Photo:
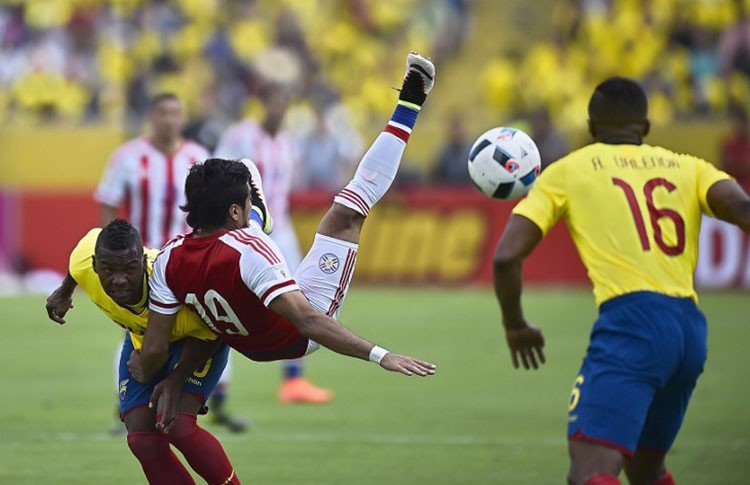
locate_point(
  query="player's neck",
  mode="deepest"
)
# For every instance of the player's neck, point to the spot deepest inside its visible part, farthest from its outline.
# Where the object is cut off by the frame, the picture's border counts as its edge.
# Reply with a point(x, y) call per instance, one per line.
point(271, 128)
point(167, 145)
point(619, 139)
point(208, 232)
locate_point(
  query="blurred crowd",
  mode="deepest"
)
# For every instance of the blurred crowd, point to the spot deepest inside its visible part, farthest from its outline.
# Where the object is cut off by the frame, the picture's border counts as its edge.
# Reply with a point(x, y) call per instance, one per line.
point(692, 56)
point(99, 60)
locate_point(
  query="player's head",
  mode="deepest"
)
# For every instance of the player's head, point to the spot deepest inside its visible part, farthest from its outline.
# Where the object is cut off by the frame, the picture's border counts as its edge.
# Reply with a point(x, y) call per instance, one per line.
point(167, 116)
point(618, 109)
point(119, 262)
point(218, 195)
point(275, 98)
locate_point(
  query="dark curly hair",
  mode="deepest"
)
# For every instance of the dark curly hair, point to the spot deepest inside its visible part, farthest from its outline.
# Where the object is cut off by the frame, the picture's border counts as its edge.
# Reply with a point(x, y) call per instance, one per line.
point(618, 101)
point(119, 235)
point(211, 188)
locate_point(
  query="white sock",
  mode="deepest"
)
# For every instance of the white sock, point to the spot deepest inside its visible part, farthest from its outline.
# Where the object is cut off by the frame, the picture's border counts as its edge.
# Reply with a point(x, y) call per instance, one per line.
point(375, 174)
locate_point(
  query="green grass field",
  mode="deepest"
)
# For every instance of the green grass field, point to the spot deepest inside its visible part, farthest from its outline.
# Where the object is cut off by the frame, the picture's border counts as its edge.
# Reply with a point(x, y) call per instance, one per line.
point(476, 421)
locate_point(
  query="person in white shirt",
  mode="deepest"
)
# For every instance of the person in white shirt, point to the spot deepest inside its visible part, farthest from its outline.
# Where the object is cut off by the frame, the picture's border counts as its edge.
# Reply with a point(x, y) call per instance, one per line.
point(146, 176)
point(275, 155)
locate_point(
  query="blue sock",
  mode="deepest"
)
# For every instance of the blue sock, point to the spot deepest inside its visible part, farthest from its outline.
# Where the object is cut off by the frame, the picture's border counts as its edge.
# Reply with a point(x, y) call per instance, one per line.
point(292, 369)
point(254, 216)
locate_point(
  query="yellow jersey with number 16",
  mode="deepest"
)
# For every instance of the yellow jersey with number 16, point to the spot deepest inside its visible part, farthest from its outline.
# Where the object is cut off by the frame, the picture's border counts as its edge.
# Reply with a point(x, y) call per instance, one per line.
point(633, 211)
point(134, 318)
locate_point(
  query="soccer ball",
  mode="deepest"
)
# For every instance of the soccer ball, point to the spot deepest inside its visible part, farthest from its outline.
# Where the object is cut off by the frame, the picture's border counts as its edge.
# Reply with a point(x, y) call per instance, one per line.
point(504, 162)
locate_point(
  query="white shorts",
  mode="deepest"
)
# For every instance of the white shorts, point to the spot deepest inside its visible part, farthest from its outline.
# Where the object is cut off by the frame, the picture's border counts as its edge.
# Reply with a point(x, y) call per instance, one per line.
point(325, 274)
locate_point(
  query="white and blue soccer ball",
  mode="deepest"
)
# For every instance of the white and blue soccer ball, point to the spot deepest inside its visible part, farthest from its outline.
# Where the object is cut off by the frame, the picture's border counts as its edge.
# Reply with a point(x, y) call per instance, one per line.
point(504, 162)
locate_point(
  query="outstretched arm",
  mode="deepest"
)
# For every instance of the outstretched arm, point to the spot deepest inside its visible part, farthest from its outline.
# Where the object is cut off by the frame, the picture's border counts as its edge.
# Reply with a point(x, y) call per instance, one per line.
point(518, 241)
point(331, 334)
point(61, 300)
point(145, 363)
point(730, 203)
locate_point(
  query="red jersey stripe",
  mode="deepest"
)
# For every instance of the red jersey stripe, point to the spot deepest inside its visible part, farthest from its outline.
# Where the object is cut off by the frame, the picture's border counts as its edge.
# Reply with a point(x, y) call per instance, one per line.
point(170, 191)
point(262, 244)
point(144, 200)
point(259, 246)
point(398, 132)
point(244, 240)
point(164, 305)
point(274, 288)
point(346, 196)
point(345, 279)
point(358, 197)
point(340, 290)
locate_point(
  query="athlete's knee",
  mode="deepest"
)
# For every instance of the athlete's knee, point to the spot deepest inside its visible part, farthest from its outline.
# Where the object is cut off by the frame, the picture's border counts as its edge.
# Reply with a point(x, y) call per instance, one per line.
point(187, 425)
point(647, 467)
point(147, 445)
point(140, 420)
point(341, 222)
point(590, 461)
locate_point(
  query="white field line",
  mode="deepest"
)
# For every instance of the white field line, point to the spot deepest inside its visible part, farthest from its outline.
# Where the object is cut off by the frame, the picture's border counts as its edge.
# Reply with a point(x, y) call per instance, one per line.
point(405, 440)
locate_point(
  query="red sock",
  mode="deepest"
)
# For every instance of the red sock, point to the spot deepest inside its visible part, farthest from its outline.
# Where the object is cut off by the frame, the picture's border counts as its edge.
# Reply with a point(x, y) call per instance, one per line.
point(603, 479)
point(159, 463)
point(203, 451)
point(665, 479)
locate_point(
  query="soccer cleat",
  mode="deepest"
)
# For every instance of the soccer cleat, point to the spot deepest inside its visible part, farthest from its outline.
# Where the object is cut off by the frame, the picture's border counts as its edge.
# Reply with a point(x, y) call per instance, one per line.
point(418, 79)
point(301, 391)
point(258, 197)
point(235, 424)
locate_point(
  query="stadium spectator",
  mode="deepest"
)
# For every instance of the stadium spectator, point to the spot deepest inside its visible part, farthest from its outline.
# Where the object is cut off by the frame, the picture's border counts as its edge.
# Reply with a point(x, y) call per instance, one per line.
point(552, 143)
point(94, 60)
point(735, 150)
point(734, 45)
point(273, 151)
point(450, 167)
point(330, 144)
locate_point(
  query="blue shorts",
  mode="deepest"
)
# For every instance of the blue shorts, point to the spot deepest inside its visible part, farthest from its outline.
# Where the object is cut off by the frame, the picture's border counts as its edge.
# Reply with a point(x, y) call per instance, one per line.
point(645, 355)
point(201, 384)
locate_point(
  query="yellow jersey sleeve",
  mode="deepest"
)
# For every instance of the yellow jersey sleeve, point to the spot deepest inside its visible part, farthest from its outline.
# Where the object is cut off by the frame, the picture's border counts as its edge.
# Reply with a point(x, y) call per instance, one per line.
point(706, 176)
point(188, 324)
point(547, 201)
point(80, 263)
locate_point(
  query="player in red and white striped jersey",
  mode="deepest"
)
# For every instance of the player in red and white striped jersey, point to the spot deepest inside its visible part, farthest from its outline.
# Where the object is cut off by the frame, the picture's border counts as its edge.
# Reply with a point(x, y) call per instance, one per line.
point(147, 175)
point(272, 150)
point(234, 276)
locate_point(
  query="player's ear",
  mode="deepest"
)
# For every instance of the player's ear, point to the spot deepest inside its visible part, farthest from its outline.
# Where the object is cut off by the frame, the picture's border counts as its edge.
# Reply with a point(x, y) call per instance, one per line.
point(646, 127)
point(235, 213)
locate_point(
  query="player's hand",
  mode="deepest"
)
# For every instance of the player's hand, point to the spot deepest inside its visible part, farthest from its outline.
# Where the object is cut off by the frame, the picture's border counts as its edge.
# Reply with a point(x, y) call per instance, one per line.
point(166, 399)
point(526, 344)
point(407, 365)
point(135, 366)
point(58, 304)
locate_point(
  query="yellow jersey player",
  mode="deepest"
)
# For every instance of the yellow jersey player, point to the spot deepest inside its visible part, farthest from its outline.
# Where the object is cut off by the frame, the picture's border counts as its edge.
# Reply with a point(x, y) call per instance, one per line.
point(112, 267)
point(634, 213)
